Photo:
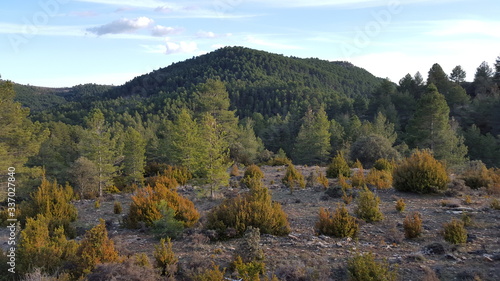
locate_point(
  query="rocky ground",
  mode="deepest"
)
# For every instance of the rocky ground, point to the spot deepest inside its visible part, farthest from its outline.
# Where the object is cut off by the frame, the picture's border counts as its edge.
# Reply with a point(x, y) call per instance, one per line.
point(303, 255)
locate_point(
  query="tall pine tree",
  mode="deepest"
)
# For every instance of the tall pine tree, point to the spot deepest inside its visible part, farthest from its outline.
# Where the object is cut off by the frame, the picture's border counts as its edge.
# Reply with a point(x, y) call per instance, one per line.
point(430, 128)
point(134, 150)
point(312, 145)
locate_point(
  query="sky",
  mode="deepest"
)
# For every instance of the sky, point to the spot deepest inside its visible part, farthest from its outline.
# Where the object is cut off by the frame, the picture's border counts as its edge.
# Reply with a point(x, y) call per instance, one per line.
point(62, 43)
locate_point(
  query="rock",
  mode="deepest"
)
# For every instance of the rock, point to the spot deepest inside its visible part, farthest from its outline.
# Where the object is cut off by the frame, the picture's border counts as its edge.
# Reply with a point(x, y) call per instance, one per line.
point(471, 238)
point(434, 249)
point(451, 257)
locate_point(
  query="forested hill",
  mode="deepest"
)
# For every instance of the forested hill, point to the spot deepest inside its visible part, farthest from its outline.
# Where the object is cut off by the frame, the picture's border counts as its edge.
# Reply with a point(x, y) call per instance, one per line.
point(257, 81)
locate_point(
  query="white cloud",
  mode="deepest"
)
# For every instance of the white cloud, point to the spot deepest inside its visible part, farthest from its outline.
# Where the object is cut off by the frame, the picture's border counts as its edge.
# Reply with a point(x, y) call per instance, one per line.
point(155, 49)
point(164, 9)
point(260, 42)
point(206, 34)
point(181, 47)
point(161, 31)
point(464, 27)
point(123, 25)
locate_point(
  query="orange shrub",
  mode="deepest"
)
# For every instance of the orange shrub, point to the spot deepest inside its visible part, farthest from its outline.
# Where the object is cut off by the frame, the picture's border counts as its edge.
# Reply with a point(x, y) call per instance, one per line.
point(338, 223)
point(380, 178)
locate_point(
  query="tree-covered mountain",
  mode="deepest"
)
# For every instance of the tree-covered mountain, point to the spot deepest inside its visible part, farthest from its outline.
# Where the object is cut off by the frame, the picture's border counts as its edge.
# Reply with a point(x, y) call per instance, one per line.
point(257, 82)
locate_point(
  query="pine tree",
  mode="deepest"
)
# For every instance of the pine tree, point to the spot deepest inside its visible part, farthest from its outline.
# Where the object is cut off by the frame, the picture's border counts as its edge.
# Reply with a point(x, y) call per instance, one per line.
point(134, 151)
point(85, 176)
point(458, 74)
point(247, 146)
point(98, 146)
point(312, 145)
point(430, 128)
point(382, 127)
point(215, 154)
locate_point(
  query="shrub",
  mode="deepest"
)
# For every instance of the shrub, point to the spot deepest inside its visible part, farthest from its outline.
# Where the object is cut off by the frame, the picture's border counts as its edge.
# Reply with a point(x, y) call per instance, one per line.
point(95, 248)
point(420, 173)
point(214, 274)
point(413, 225)
point(322, 179)
point(128, 270)
point(117, 208)
point(337, 224)
point(252, 173)
point(255, 209)
point(293, 178)
point(338, 167)
point(167, 225)
point(250, 270)
point(368, 207)
point(343, 183)
point(466, 219)
point(235, 171)
point(372, 147)
point(38, 247)
point(455, 232)
point(383, 165)
point(180, 174)
point(381, 179)
point(495, 204)
point(250, 248)
point(279, 161)
point(364, 267)
point(358, 178)
point(145, 206)
point(168, 182)
point(400, 205)
point(165, 258)
point(476, 175)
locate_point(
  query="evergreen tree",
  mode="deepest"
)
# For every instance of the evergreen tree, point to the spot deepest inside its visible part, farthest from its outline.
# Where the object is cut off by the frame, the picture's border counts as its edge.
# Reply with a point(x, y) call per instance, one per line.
point(430, 128)
point(483, 81)
point(496, 76)
point(134, 156)
point(247, 146)
point(215, 153)
point(98, 146)
point(482, 147)
point(381, 126)
point(312, 145)
point(85, 177)
point(458, 74)
point(454, 94)
point(337, 135)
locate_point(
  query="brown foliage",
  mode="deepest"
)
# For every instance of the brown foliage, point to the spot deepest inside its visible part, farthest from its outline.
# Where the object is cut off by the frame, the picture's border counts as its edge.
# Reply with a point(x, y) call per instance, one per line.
point(338, 223)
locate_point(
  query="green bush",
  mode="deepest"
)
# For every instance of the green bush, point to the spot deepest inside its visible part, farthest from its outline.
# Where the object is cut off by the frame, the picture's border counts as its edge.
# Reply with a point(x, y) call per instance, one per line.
point(372, 147)
point(413, 225)
point(337, 224)
point(252, 174)
point(476, 175)
point(420, 173)
point(117, 208)
point(365, 267)
point(254, 208)
point(400, 205)
point(293, 178)
point(368, 207)
point(338, 167)
point(167, 225)
point(383, 165)
point(455, 232)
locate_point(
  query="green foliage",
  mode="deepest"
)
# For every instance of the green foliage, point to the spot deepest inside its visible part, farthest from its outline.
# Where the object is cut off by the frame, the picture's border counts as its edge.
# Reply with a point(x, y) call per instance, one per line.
point(312, 145)
point(167, 225)
point(476, 175)
point(380, 179)
point(95, 248)
point(255, 209)
point(420, 173)
point(338, 167)
point(54, 203)
point(368, 207)
point(134, 152)
point(337, 224)
point(117, 208)
point(383, 165)
point(252, 174)
point(293, 178)
point(247, 145)
point(86, 178)
point(165, 258)
point(249, 271)
point(147, 205)
point(43, 248)
point(365, 267)
point(412, 225)
point(483, 147)
point(495, 204)
point(214, 274)
point(455, 232)
point(368, 149)
point(430, 128)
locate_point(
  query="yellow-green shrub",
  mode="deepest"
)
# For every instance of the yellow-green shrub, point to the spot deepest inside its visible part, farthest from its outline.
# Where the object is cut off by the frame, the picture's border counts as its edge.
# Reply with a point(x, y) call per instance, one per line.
point(381, 179)
point(368, 207)
point(365, 267)
point(495, 204)
point(255, 209)
point(214, 274)
point(383, 165)
point(337, 224)
point(235, 171)
point(249, 271)
point(413, 225)
point(476, 175)
point(358, 178)
point(400, 205)
point(146, 203)
point(293, 178)
point(420, 173)
point(165, 258)
point(117, 207)
point(95, 248)
point(322, 179)
point(252, 173)
point(455, 232)
point(338, 167)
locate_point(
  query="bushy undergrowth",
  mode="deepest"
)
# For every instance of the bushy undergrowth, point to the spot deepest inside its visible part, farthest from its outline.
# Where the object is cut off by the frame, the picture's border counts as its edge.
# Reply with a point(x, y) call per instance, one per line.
point(338, 167)
point(252, 173)
point(383, 165)
point(368, 207)
point(412, 225)
point(381, 179)
point(455, 232)
point(400, 205)
point(365, 267)
point(337, 224)
point(420, 173)
point(254, 208)
point(293, 178)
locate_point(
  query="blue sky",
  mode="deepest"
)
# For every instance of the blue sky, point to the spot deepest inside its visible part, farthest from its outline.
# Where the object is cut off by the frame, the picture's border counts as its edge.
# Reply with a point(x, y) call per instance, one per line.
point(68, 42)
